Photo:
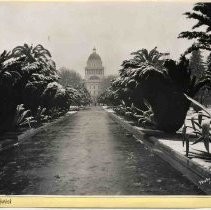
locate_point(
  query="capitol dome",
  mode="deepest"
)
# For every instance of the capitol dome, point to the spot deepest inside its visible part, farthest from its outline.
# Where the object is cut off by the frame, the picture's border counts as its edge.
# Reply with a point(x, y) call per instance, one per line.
point(94, 74)
point(94, 61)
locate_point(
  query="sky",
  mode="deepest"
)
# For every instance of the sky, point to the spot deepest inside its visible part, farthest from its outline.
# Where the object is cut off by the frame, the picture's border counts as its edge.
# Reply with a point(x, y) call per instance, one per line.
point(70, 30)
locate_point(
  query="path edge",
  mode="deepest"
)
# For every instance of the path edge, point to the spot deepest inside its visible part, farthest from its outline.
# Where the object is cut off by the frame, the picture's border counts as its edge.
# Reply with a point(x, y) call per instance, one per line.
point(192, 170)
point(31, 132)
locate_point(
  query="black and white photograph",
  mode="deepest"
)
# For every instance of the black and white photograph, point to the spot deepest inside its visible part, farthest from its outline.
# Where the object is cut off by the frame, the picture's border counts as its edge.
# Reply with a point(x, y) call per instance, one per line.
point(105, 98)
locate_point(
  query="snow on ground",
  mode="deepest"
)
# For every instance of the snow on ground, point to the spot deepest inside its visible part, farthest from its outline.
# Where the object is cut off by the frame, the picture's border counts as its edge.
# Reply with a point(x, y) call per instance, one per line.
point(176, 145)
point(175, 141)
point(71, 112)
point(195, 150)
point(108, 109)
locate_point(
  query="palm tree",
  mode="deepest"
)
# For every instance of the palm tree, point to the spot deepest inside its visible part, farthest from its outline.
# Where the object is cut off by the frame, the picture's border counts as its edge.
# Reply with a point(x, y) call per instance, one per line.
point(31, 53)
point(135, 69)
point(8, 73)
point(201, 13)
point(152, 57)
point(28, 76)
point(9, 77)
point(35, 54)
point(160, 81)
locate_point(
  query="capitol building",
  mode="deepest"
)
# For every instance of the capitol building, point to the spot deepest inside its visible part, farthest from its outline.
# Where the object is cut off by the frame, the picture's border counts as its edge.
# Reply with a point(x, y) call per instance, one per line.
point(94, 74)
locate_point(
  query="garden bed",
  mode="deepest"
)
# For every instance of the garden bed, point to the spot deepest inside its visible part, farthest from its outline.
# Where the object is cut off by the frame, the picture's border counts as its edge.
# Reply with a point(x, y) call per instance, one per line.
point(169, 147)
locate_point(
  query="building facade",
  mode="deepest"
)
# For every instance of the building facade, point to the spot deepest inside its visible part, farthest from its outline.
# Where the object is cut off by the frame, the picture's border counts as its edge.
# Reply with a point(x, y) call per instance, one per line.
point(94, 73)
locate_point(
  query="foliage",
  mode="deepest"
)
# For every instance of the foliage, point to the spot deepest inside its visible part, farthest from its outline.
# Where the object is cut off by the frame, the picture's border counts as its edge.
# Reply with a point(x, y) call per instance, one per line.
point(185, 138)
point(209, 63)
point(69, 78)
point(85, 98)
point(162, 82)
point(75, 87)
point(196, 64)
point(110, 97)
point(143, 118)
point(181, 74)
point(41, 115)
point(201, 13)
point(35, 54)
point(153, 58)
point(198, 104)
point(146, 118)
point(200, 126)
point(106, 82)
point(198, 70)
point(136, 69)
point(28, 76)
point(22, 117)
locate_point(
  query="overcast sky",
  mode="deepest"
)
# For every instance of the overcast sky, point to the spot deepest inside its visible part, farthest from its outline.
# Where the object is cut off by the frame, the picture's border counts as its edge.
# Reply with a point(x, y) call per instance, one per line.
point(71, 29)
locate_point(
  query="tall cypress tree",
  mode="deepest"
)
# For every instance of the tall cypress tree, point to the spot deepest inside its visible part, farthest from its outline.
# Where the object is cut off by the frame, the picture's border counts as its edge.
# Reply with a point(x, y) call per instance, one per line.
point(196, 64)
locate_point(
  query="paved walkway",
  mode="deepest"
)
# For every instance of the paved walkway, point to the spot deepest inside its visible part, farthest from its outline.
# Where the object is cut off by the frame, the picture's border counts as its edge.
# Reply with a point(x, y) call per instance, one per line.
point(88, 154)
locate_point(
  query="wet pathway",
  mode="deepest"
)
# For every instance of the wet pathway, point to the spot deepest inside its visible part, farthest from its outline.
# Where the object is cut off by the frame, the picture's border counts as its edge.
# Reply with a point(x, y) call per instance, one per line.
point(88, 154)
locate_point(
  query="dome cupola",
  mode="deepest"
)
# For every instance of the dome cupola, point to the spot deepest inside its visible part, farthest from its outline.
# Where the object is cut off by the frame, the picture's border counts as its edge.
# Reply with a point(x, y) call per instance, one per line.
point(94, 61)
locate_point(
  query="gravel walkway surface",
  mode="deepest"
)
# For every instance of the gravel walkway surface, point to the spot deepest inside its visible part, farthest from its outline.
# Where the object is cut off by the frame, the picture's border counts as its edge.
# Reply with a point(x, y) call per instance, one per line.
point(88, 154)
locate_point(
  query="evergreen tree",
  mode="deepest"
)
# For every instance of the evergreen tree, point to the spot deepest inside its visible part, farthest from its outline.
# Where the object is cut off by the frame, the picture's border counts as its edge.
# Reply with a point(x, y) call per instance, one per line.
point(209, 63)
point(196, 64)
point(106, 82)
point(70, 78)
point(202, 14)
